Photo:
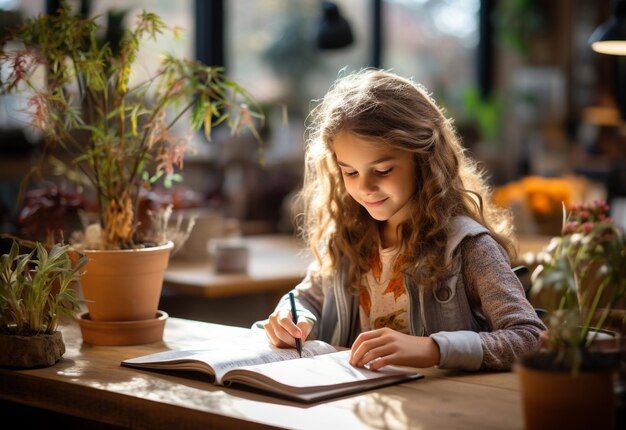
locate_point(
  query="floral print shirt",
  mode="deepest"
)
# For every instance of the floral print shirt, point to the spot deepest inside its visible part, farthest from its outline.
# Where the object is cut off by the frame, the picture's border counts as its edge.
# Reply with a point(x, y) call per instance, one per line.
point(383, 301)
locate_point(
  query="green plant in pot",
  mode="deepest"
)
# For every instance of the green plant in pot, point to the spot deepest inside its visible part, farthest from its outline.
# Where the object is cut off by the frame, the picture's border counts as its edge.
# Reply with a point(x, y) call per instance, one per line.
point(36, 291)
point(585, 270)
point(118, 138)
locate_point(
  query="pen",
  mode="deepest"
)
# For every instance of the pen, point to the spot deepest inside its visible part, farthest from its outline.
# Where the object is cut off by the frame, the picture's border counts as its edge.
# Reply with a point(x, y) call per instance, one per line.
point(294, 317)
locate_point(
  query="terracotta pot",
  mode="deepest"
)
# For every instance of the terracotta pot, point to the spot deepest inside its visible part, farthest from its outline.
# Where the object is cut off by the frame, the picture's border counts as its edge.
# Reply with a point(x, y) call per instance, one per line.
point(125, 285)
point(559, 399)
point(40, 350)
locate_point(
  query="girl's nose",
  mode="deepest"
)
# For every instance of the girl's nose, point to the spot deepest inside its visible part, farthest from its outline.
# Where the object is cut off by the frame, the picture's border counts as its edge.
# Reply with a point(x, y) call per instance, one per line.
point(367, 184)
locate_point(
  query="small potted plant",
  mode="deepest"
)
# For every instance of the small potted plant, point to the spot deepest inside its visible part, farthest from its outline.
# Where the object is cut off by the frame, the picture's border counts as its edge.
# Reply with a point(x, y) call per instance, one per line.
point(585, 268)
point(118, 139)
point(35, 292)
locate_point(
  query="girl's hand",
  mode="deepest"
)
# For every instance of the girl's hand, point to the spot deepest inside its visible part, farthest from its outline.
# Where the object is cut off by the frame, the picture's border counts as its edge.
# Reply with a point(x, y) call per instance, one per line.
point(282, 332)
point(386, 346)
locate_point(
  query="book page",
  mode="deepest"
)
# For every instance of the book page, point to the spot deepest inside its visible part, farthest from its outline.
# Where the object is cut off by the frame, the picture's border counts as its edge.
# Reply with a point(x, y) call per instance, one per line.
point(317, 377)
point(225, 354)
point(260, 353)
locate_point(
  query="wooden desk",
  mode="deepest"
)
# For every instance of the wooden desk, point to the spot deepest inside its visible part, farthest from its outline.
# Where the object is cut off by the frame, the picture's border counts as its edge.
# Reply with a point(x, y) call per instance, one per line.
point(89, 383)
point(276, 264)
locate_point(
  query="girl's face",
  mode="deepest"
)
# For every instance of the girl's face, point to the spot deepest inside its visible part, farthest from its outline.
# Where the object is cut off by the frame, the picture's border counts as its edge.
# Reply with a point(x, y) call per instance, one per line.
point(381, 180)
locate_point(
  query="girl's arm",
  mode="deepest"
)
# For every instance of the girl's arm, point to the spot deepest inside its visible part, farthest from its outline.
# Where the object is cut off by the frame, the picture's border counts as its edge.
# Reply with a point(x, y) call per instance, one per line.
point(499, 302)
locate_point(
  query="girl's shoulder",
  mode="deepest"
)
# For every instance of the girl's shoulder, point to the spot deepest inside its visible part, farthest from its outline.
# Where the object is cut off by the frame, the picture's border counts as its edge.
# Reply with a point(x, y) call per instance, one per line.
point(482, 247)
point(460, 228)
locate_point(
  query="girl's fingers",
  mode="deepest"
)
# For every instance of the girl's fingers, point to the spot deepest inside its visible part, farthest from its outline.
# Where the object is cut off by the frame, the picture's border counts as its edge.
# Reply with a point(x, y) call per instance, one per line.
point(269, 332)
point(291, 327)
point(287, 337)
point(373, 355)
point(281, 330)
point(376, 363)
point(279, 337)
point(367, 347)
point(305, 328)
point(358, 354)
point(364, 337)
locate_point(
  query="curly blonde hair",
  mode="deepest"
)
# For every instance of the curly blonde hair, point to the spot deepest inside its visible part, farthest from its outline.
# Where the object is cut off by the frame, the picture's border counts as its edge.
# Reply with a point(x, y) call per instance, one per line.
point(395, 112)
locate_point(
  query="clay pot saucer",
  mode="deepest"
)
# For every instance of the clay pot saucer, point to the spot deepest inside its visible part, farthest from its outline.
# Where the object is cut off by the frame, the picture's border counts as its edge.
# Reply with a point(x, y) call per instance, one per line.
point(122, 333)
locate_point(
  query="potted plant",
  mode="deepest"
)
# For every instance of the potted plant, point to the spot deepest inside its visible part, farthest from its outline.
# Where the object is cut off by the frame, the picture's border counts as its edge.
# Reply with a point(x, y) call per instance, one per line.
point(35, 292)
point(569, 383)
point(118, 139)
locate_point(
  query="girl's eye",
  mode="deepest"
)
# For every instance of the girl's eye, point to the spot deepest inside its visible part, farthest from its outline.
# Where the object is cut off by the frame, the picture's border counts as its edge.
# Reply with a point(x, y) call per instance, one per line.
point(350, 174)
point(384, 172)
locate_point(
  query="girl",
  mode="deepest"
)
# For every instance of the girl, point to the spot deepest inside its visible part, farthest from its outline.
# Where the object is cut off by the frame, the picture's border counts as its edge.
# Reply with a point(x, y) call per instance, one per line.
point(412, 261)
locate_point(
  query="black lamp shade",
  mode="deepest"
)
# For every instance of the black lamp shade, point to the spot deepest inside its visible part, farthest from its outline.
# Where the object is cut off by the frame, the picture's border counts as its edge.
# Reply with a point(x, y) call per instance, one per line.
point(610, 37)
point(334, 30)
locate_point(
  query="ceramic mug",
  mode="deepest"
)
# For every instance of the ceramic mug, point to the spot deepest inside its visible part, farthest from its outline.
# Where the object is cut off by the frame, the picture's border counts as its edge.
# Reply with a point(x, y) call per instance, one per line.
point(230, 255)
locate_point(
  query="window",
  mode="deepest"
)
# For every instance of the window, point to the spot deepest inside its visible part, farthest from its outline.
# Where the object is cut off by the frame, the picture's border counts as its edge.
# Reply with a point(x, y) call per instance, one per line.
point(270, 47)
point(435, 42)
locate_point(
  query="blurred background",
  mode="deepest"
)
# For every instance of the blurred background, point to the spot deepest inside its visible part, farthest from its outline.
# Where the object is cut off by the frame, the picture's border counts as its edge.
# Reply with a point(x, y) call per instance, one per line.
point(533, 103)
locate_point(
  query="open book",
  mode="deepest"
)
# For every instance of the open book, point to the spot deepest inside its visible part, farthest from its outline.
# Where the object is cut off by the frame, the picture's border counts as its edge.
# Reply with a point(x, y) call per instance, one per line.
point(321, 373)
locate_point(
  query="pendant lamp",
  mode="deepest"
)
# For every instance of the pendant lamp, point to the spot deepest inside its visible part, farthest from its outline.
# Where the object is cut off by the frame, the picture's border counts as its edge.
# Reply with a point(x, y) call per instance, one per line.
point(610, 37)
point(334, 30)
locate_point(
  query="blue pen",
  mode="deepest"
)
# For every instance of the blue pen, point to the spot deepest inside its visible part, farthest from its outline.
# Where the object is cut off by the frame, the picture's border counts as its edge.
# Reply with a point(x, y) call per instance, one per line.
point(294, 317)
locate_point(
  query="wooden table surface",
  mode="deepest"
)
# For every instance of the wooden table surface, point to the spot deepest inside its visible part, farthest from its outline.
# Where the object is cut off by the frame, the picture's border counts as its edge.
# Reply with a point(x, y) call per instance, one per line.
point(89, 383)
point(277, 263)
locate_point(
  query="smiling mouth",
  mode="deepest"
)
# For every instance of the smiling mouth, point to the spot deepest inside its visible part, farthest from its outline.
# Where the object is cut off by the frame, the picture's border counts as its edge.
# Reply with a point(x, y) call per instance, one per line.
point(374, 204)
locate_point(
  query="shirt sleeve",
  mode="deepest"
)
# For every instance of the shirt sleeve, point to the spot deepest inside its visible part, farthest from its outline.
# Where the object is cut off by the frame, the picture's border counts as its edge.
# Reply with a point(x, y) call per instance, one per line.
point(459, 349)
point(498, 301)
point(309, 299)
